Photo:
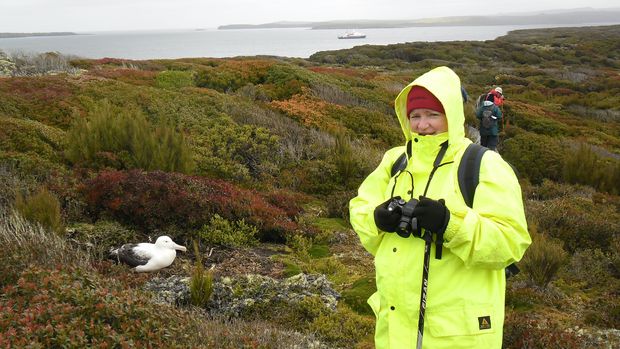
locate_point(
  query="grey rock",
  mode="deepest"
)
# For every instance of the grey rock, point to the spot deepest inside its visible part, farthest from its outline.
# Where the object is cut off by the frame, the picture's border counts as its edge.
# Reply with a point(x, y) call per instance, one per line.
point(233, 297)
point(172, 291)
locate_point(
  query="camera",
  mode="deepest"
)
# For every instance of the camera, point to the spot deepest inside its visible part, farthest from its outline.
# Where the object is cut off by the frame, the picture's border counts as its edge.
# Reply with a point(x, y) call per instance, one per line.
point(408, 223)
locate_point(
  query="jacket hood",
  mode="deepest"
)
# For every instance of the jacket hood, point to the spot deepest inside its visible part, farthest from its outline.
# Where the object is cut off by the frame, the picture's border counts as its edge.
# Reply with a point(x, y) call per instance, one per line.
point(446, 86)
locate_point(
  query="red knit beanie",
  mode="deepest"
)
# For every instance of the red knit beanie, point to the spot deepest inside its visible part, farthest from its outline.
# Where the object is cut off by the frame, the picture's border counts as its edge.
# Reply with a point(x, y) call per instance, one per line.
point(419, 97)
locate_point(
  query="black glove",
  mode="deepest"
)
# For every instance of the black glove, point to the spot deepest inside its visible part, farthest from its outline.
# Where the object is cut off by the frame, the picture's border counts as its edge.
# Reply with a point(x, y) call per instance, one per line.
point(432, 215)
point(387, 220)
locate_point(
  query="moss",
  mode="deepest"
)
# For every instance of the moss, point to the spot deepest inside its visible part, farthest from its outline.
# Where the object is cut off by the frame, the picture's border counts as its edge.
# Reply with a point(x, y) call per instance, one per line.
point(319, 251)
point(329, 224)
point(359, 292)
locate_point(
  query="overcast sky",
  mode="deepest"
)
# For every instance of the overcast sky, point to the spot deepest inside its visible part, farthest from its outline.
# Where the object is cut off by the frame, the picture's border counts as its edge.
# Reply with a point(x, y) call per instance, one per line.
point(101, 15)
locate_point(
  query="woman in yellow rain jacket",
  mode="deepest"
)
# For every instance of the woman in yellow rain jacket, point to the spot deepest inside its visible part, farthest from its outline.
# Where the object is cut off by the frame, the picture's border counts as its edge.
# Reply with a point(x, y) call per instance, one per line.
point(465, 290)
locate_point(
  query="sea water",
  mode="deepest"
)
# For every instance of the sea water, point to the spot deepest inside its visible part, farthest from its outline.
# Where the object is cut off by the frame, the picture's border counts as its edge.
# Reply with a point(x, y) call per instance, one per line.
point(289, 42)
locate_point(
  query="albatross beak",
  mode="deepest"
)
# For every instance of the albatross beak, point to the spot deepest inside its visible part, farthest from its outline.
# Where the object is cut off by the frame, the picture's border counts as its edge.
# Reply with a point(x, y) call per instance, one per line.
point(180, 248)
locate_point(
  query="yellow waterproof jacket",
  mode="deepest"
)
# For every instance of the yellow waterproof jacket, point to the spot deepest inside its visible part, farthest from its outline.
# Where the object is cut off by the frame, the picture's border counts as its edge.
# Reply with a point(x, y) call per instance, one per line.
point(465, 302)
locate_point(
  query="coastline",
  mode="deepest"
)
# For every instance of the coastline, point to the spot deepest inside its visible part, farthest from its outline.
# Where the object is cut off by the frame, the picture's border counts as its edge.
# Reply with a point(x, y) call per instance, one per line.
point(27, 35)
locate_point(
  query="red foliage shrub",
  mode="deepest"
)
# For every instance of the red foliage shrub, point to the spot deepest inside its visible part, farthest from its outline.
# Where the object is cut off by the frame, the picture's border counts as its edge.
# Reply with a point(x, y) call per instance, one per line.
point(521, 331)
point(159, 200)
point(44, 88)
point(74, 309)
point(288, 201)
point(47, 99)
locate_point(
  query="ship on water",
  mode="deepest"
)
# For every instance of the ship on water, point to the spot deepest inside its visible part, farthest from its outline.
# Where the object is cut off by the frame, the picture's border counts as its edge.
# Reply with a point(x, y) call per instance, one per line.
point(352, 35)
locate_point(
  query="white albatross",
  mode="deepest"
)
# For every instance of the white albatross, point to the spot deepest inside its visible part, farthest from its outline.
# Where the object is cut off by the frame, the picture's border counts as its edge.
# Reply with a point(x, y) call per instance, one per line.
point(146, 256)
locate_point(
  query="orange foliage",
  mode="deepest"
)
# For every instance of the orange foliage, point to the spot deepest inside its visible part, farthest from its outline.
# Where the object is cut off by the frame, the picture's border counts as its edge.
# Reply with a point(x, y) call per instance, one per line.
point(310, 111)
point(247, 68)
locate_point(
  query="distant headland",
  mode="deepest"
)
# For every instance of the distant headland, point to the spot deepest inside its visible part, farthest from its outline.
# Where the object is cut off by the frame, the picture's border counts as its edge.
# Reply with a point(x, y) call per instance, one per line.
point(24, 35)
point(559, 17)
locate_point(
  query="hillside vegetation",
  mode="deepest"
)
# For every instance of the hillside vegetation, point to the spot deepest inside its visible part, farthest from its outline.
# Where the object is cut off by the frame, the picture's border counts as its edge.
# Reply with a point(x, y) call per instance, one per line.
point(254, 160)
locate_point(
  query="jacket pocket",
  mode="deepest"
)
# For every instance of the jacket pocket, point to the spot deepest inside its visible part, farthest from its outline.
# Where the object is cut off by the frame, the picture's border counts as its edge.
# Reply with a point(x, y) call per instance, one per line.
point(375, 303)
point(463, 321)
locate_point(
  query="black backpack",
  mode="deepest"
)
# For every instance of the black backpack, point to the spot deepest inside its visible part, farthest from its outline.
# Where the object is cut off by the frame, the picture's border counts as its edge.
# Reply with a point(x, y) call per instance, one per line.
point(468, 176)
point(487, 117)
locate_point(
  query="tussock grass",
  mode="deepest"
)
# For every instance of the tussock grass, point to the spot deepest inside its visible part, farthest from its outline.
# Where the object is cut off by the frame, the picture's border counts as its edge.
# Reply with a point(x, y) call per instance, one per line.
point(25, 243)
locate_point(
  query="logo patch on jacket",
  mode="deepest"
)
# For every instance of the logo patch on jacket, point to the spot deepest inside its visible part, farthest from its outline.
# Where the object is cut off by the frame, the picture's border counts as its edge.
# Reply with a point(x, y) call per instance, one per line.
point(484, 322)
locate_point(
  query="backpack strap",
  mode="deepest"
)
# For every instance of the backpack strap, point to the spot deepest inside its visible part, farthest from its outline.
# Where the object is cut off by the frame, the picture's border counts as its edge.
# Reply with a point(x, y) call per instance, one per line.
point(469, 177)
point(469, 171)
point(401, 163)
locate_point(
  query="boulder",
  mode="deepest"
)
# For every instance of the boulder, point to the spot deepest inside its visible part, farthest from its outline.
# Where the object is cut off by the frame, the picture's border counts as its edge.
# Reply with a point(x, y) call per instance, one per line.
point(232, 296)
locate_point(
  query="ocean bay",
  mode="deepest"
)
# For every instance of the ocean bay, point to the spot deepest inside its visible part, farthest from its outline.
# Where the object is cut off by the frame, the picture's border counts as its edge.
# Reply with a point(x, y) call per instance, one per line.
point(289, 42)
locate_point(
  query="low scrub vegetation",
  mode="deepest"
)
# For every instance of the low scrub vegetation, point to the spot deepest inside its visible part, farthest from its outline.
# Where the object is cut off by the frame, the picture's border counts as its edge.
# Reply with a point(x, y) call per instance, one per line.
point(258, 157)
point(160, 200)
point(122, 138)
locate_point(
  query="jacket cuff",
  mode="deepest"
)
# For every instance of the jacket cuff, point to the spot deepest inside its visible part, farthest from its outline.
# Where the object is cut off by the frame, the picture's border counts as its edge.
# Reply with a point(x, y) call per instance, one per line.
point(454, 225)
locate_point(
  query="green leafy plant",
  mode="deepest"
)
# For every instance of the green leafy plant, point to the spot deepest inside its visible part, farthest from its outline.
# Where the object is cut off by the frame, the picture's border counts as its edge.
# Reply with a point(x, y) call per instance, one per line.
point(123, 138)
point(220, 231)
point(344, 159)
point(344, 327)
point(42, 207)
point(201, 282)
point(543, 259)
point(535, 156)
point(585, 166)
point(174, 79)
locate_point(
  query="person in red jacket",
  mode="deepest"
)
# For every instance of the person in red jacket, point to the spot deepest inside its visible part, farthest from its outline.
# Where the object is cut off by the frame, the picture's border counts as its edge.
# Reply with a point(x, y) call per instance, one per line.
point(496, 96)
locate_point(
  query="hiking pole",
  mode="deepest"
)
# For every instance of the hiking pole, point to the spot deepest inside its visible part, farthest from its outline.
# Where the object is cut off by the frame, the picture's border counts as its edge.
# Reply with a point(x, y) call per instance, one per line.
point(423, 292)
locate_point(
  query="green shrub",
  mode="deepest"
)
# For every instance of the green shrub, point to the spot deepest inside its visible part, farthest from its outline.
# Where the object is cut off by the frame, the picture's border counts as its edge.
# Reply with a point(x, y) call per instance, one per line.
point(615, 256)
point(175, 79)
point(220, 231)
point(344, 328)
point(12, 182)
point(31, 137)
point(201, 282)
point(591, 268)
point(523, 298)
point(313, 177)
point(535, 156)
point(577, 221)
point(345, 161)
point(584, 166)
point(238, 152)
point(338, 204)
point(300, 245)
point(357, 294)
point(42, 208)
point(541, 125)
point(122, 138)
point(543, 259)
point(319, 251)
point(549, 190)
